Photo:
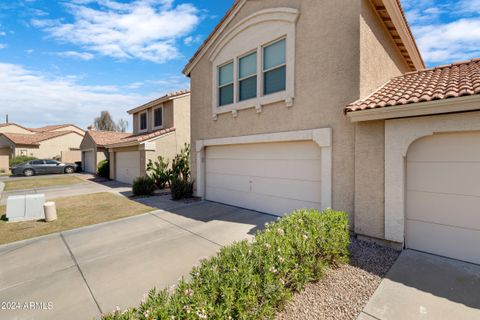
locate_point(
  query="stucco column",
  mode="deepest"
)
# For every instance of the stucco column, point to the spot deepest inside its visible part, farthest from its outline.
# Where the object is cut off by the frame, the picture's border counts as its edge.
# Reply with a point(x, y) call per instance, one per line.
point(200, 159)
point(111, 160)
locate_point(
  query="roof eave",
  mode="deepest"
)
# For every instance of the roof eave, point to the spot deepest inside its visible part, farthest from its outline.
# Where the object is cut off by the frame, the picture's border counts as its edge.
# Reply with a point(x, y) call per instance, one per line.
point(451, 105)
point(156, 102)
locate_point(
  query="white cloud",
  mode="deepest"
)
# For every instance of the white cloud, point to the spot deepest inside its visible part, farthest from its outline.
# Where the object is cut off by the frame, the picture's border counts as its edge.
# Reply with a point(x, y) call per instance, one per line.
point(144, 29)
point(3, 45)
point(458, 40)
point(190, 40)
point(2, 33)
point(34, 99)
point(75, 54)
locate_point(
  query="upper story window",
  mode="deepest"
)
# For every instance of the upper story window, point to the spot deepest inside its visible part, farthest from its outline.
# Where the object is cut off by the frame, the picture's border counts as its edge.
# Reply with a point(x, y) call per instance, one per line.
point(143, 121)
point(274, 67)
point(253, 62)
point(158, 117)
point(225, 84)
point(247, 77)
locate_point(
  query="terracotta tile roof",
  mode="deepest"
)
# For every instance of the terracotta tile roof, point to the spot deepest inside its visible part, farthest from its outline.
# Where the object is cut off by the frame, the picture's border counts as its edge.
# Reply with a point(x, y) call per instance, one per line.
point(102, 138)
point(34, 139)
point(443, 82)
point(52, 127)
point(166, 97)
point(138, 138)
point(13, 124)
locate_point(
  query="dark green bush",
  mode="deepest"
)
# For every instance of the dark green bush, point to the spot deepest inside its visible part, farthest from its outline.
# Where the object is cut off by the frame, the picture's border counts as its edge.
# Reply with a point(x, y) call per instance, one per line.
point(15, 161)
point(181, 189)
point(103, 169)
point(251, 280)
point(143, 186)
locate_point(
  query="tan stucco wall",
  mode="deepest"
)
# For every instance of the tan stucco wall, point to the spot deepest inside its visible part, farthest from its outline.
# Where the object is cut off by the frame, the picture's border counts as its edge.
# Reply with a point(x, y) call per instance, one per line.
point(87, 143)
point(326, 79)
point(165, 147)
point(380, 61)
point(12, 128)
point(4, 159)
point(369, 178)
point(181, 118)
point(168, 114)
point(53, 147)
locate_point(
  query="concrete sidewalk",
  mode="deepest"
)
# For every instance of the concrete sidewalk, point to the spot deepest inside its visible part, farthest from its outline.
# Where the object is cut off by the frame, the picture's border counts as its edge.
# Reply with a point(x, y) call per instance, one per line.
point(425, 286)
point(85, 272)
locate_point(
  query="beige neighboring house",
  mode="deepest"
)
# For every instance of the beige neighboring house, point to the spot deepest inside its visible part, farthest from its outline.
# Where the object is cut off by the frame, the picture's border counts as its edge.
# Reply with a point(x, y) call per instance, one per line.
point(160, 128)
point(62, 141)
point(93, 147)
point(269, 131)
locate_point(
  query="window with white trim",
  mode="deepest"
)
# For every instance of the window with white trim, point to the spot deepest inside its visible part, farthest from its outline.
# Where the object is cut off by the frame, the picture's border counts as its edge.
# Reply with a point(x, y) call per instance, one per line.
point(225, 84)
point(158, 117)
point(247, 77)
point(274, 67)
point(143, 121)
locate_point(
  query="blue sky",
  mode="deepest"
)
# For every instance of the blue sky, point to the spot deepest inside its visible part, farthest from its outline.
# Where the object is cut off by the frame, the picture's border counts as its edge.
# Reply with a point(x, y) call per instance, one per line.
point(64, 61)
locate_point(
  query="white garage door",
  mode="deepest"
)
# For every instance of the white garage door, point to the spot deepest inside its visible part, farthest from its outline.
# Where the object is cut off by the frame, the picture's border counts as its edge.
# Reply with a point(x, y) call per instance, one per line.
point(443, 196)
point(275, 178)
point(127, 166)
point(89, 159)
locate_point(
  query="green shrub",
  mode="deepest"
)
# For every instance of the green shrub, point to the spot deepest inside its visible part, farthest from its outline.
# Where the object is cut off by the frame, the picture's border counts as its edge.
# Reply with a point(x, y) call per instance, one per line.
point(251, 280)
point(143, 186)
point(181, 164)
point(160, 172)
point(15, 161)
point(181, 189)
point(103, 169)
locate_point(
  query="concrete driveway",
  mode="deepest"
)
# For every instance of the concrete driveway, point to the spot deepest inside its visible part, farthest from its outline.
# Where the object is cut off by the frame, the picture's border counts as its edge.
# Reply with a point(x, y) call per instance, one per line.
point(425, 286)
point(91, 185)
point(79, 274)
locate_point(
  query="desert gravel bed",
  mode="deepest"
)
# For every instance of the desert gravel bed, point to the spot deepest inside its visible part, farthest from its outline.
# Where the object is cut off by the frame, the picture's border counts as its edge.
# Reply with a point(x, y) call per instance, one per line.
point(344, 291)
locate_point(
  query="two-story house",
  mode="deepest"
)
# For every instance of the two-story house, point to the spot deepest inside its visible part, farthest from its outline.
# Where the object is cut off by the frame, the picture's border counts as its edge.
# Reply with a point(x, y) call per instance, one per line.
point(271, 130)
point(160, 128)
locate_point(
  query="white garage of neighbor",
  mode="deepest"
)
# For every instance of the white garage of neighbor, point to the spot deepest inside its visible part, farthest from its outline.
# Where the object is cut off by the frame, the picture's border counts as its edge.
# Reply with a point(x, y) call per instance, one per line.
point(89, 161)
point(273, 173)
point(127, 166)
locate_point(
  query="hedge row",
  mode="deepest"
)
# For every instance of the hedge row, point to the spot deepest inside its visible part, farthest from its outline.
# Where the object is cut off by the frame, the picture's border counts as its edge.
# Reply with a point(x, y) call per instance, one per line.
point(252, 280)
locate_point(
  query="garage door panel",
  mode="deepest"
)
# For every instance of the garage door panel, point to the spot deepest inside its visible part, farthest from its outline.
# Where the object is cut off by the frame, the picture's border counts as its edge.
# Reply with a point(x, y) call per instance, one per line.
point(269, 177)
point(457, 243)
point(284, 150)
point(444, 209)
point(443, 195)
point(258, 202)
point(127, 166)
point(448, 147)
point(89, 159)
point(286, 169)
point(444, 177)
point(309, 191)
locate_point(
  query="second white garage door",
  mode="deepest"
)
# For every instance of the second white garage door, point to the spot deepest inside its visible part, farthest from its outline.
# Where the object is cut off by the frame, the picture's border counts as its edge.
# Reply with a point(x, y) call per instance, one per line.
point(275, 178)
point(443, 196)
point(127, 166)
point(89, 161)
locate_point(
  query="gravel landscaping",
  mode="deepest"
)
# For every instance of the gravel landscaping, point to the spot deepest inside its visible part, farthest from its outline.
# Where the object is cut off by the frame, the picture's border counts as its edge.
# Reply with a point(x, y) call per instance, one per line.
point(343, 292)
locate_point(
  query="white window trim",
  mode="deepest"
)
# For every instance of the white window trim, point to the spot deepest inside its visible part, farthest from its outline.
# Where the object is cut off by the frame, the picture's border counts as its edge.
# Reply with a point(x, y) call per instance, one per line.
point(140, 121)
point(289, 17)
point(153, 118)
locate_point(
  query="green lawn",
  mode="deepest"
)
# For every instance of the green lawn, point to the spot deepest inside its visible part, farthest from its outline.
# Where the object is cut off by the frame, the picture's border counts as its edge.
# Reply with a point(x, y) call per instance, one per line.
point(33, 183)
point(73, 212)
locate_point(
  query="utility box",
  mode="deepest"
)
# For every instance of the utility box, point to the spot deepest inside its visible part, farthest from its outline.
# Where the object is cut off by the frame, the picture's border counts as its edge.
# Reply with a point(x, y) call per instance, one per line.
point(25, 207)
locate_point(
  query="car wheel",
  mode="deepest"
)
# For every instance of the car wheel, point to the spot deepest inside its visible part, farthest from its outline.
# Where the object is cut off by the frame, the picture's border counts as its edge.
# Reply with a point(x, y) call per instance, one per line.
point(28, 172)
point(69, 170)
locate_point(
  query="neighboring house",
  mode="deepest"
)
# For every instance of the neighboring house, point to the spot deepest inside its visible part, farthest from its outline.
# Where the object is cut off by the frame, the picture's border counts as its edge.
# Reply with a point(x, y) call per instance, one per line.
point(269, 133)
point(45, 145)
point(93, 147)
point(60, 127)
point(160, 128)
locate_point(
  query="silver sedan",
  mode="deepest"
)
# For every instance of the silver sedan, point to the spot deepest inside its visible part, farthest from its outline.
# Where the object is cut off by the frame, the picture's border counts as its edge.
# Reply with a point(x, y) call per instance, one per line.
point(46, 166)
